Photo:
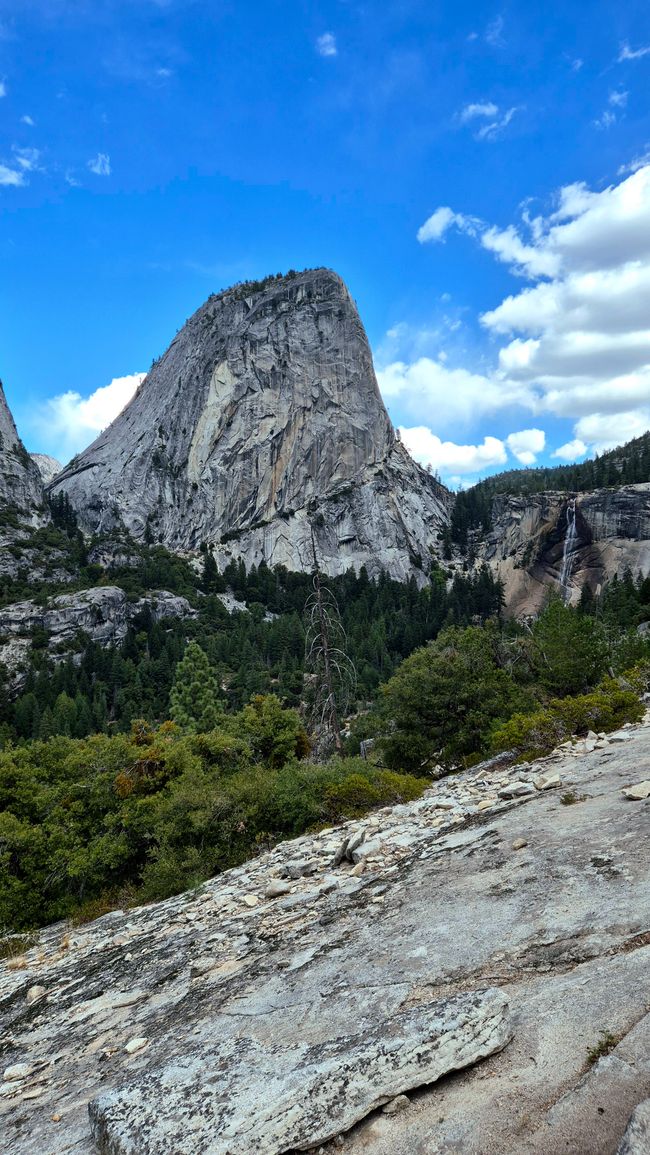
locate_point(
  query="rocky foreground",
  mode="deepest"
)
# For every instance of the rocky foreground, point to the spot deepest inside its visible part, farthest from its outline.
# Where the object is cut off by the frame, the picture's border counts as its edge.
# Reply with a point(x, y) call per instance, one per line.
point(467, 973)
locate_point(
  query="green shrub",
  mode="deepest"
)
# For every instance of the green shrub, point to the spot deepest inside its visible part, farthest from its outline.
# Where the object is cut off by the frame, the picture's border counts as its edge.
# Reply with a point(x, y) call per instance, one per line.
point(605, 708)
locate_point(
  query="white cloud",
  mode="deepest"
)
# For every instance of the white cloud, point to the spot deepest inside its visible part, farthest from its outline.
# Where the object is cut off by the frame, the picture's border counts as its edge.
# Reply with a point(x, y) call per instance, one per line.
point(3, 89)
point(627, 53)
point(618, 98)
point(69, 422)
point(577, 338)
point(607, 119)
point(526, 445)
point(494, 130)
point(447, 456)
point(11, 176)
point(433, 393)
point(27, 158)
point(472, 111)
point(100, 164)
point(27, 120)
point(326, 45)
point(440, 221)
point(571, 451)
point(606, 431)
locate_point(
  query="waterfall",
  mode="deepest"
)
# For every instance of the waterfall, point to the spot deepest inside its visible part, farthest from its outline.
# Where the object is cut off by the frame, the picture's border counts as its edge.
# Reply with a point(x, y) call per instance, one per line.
point(569, 547)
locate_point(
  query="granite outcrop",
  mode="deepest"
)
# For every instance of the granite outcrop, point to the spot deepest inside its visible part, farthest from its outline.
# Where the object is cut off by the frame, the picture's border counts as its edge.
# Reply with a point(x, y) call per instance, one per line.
point(261, 426)
point(474, 980)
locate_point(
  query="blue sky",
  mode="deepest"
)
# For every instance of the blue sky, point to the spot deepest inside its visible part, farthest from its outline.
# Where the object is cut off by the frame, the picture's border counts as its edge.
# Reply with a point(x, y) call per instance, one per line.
point(154, 151)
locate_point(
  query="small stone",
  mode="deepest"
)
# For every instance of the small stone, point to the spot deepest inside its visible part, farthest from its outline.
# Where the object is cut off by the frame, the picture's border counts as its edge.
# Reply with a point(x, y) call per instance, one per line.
point(276, 889)
point(400, 1103)
point(519, 844)
point(135, 1045)
point(485, 804)
point(638, 792)
point(34, 994)
point(250, 900)
point(547, 782)
point(56, 1118)
point(516, 790)
point(358, 869)
point(16, 1071)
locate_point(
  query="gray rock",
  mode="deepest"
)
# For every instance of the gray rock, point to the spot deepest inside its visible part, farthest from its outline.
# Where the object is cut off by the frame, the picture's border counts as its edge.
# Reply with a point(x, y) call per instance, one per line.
point(263, 421)
point(636, 1140)
point(47, 466)
point(20, 480)
point(516, 790)
point(104, 614)
point(270, 1099)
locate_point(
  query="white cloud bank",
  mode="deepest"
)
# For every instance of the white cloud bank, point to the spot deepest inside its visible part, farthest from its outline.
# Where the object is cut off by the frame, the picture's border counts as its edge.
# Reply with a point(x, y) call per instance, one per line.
point(575, 341)
point(448, 457)
point(69, 422)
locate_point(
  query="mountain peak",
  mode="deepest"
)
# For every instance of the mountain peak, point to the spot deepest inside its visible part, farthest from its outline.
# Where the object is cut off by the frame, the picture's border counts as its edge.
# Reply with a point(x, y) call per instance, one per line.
point(262, 421)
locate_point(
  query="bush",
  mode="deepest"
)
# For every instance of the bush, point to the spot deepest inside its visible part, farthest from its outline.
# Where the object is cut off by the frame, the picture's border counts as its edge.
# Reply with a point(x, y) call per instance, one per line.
point(605, 708)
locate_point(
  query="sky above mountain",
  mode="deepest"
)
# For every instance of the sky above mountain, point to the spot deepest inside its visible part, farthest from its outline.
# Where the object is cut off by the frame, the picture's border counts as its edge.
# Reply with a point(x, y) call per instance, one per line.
point(479, 174)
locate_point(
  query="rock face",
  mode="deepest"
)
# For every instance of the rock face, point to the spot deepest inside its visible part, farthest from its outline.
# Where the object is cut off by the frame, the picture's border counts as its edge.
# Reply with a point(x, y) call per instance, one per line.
point(263, 421)
point(282, 1094)
point(47, 466)
point(284, 1013)
point(103, 614)
point(20, 480)
point(526, 545)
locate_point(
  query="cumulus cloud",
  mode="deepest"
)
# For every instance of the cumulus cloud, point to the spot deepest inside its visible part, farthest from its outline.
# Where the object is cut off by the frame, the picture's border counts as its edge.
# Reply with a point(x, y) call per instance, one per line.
point(440, 221)
point(100, 164)
point(431, 391)
point(326, 45)
point(526, 445)
point(575, 341)
point(448, 457)
point(69, 422)
point(571, 451)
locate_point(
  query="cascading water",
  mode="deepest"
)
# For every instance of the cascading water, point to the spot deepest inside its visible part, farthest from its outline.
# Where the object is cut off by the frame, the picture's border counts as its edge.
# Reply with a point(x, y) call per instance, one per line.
point(569, 548)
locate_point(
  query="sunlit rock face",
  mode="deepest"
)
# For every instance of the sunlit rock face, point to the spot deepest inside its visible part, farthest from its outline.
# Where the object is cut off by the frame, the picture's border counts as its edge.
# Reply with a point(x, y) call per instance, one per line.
point(262, 422)
point(20, 480)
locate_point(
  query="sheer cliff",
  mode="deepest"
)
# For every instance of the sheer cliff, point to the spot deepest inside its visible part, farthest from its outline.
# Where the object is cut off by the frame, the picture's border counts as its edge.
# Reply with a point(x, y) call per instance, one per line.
point(262, 423)
point(20, 480)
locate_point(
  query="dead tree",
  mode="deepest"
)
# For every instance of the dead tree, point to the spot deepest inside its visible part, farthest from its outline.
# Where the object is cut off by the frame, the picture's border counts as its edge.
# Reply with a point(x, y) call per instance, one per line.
point(328, 668)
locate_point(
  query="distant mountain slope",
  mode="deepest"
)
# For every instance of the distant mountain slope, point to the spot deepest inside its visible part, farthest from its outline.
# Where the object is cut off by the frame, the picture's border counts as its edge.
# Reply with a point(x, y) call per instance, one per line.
point(48, 467)
point(261, 424)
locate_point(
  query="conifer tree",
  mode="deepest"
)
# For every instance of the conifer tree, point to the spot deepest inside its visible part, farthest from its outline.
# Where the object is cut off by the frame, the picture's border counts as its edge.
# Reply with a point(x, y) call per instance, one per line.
point(194, 698)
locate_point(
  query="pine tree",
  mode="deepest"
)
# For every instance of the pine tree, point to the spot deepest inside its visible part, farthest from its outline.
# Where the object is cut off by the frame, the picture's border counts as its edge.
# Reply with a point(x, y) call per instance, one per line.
point(194, 698)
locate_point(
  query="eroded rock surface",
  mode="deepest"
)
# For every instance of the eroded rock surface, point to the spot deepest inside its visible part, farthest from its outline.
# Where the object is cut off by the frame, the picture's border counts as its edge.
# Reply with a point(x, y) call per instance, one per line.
point(263, 421)
point(525, 546)
point(102, 614)
point(341, 957)
point(20, 481)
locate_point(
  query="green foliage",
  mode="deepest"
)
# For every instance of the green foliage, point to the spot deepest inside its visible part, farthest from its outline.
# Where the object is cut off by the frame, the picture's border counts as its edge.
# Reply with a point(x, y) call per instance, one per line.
point(87, 822)
point(441, 703)
point(194, 702)
point(570, 649)
point(534, 734)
